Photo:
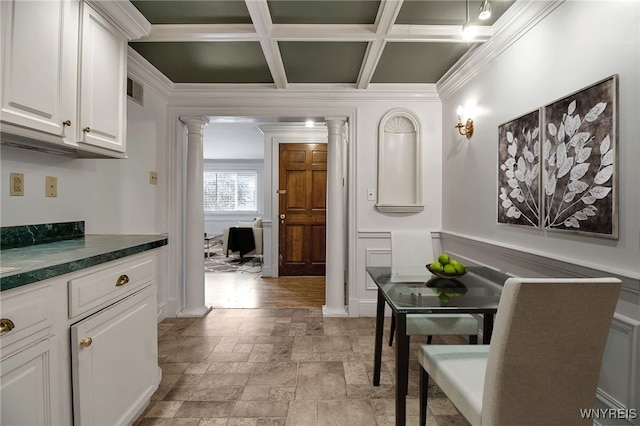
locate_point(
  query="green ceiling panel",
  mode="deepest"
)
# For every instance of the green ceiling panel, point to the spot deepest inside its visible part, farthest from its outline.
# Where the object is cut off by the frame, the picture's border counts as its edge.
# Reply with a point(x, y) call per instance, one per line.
point(323, 11)
point(194, 11)
point(448, 12)
point(414, 62)
point(207, 62)
point(322, 62)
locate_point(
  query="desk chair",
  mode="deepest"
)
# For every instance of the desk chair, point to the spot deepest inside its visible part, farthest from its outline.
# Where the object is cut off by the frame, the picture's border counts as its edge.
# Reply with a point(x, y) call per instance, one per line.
point(543, 363)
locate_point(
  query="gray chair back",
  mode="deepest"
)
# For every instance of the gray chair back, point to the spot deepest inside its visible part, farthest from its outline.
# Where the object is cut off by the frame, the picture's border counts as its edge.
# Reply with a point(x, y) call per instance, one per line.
point(546, 350)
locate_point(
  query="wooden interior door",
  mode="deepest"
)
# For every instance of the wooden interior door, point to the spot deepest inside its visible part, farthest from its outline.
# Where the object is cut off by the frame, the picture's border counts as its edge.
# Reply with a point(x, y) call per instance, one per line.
point(303, 206)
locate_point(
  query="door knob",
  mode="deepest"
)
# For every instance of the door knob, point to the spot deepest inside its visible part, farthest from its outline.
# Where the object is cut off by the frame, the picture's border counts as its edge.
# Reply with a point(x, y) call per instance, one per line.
point(282, 216)
point(86, 342)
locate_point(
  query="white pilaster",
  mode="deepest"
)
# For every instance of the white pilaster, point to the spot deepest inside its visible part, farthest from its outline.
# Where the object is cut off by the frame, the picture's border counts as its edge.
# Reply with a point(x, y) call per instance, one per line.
point(335, 274)
point(194, 303)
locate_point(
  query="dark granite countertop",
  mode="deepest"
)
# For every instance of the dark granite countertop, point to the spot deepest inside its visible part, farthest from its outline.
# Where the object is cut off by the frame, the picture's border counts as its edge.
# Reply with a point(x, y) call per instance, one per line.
point(30, 264)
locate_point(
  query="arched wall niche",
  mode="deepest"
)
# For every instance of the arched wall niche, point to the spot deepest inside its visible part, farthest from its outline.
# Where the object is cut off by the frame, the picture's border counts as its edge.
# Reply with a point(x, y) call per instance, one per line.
point(399, 163)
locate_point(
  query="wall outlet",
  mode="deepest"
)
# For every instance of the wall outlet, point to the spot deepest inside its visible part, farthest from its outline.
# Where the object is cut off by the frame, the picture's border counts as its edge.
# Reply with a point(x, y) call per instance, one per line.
point(153, 178)
point(16, 184)
point(51, 186)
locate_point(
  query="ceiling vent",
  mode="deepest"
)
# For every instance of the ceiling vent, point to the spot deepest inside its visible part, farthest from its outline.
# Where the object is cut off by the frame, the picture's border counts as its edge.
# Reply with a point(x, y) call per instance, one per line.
point(135, 91)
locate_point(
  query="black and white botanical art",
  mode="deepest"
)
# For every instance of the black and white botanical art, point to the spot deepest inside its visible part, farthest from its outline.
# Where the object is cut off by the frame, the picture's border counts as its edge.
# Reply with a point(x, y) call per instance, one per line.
point(519, 171)
point(579, 176)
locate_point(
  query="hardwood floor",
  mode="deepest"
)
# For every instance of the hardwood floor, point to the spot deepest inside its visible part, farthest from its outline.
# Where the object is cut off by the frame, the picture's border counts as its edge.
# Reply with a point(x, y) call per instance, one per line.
point(246, 290)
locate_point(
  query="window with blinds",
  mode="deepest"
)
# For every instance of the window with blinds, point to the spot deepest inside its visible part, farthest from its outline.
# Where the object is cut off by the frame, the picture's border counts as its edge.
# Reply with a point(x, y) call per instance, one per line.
point(230, 191)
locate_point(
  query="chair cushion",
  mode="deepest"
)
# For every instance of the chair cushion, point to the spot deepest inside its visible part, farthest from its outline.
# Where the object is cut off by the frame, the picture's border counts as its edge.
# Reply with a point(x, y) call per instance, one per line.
point(441, 324)
point(459, 371)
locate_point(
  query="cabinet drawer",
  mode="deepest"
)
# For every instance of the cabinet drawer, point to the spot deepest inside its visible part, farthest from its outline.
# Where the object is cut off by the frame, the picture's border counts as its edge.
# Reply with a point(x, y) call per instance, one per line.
point(109, 284)
point(27, 312)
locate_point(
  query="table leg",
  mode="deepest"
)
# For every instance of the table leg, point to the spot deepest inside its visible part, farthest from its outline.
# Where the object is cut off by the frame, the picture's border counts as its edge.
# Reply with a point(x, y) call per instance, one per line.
point(377, 360)
point(487, 328)
point(402, 368)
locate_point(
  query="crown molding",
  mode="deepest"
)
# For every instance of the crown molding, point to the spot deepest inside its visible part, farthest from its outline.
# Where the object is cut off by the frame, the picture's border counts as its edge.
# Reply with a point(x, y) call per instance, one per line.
point(124, 15)
point(140, 69)
point(310, 93)
point(518, 20)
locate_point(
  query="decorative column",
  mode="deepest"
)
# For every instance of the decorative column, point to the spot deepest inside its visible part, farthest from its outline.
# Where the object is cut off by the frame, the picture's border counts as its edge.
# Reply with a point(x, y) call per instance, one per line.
point(193, 305)
point(335, 274)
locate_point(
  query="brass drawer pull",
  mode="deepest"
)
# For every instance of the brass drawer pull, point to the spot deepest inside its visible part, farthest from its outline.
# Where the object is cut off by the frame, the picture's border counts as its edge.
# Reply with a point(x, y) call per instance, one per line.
point(86, 342)
point(122, 280)
point(67, 123)
point(87, 129)
point(6, 325)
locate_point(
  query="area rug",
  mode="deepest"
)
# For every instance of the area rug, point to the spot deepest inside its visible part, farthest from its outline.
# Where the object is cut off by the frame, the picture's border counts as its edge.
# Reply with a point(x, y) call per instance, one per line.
point(218, 262)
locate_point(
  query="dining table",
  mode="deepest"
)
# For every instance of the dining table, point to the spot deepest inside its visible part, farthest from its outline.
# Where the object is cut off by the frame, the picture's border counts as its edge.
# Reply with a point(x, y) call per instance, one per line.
point(477, 291)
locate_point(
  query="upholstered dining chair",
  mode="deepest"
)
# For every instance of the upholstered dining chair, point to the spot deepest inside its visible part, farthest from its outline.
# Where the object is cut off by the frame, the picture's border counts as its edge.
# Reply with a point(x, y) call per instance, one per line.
point(543, 362)
point(411, 251)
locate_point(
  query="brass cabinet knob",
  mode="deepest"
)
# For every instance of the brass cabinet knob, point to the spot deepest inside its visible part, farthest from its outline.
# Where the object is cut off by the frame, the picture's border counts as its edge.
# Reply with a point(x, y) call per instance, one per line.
point(6, 325)
point(87, 129)
point(122, 280)
point(67, 123)
point(86, 342)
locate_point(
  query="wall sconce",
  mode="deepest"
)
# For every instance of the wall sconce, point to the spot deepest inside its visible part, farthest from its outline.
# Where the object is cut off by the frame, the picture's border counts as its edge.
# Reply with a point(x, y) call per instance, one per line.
point(468, 127)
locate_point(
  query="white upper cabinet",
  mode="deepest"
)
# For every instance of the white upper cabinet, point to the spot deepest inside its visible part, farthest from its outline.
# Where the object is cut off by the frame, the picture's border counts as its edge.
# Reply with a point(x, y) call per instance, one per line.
point(64, 70)
point(103, 80)
point(39, 57)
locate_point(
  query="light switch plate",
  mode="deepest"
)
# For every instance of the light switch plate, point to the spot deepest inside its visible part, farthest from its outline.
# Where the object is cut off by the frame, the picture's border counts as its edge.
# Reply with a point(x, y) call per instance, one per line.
point(51, 186)
point(371, 196)
point(153, 178)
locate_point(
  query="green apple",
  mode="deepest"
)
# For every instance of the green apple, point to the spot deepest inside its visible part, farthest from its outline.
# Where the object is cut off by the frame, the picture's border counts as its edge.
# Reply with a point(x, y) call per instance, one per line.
point(460, 268)
point(436, 266)
point(444, 258)
point(449, 269)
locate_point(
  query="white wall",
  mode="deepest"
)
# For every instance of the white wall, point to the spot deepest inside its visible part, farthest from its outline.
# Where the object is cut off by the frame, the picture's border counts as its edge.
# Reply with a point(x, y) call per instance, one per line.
point(578, 44)
point(372, 228)
point(110, 195)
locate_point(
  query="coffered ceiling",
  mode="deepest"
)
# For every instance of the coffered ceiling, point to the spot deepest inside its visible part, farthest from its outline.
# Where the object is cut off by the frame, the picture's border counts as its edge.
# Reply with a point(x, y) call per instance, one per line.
point(290, 43)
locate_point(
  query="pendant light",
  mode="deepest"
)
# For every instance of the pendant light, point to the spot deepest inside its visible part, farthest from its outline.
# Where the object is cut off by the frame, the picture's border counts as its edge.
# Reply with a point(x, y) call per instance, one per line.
point(485, 10)
point(468, 30)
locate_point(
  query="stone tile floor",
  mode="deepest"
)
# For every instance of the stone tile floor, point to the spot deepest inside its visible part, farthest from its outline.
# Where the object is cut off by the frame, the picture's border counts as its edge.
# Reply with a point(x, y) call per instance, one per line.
point(277, 367)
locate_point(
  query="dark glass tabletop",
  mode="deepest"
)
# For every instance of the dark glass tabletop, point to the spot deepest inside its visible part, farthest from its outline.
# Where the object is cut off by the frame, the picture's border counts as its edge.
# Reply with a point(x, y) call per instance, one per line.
point(477, 291)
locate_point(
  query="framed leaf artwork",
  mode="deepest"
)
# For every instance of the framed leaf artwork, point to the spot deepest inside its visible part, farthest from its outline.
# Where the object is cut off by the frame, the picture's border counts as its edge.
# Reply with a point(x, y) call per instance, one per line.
point(579, 161)
point(519, 171)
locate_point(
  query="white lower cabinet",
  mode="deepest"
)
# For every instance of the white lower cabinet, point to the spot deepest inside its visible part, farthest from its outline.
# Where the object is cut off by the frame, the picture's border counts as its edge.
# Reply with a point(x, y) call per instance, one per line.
point(81, 348)
point(25, 387)
point(114, 361)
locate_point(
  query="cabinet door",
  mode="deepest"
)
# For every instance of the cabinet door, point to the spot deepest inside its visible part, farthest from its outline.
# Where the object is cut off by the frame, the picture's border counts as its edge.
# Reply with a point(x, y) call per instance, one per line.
point(115, 361)
point(102, 83)
point(39, 57)
point(26, 389)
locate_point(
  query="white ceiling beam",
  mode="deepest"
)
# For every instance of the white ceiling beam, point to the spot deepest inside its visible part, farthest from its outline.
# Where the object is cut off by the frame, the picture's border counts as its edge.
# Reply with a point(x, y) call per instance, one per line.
point(385, 19)
point(201, 32)
point(324, 32)
point(261, 18)
point(436, 33)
